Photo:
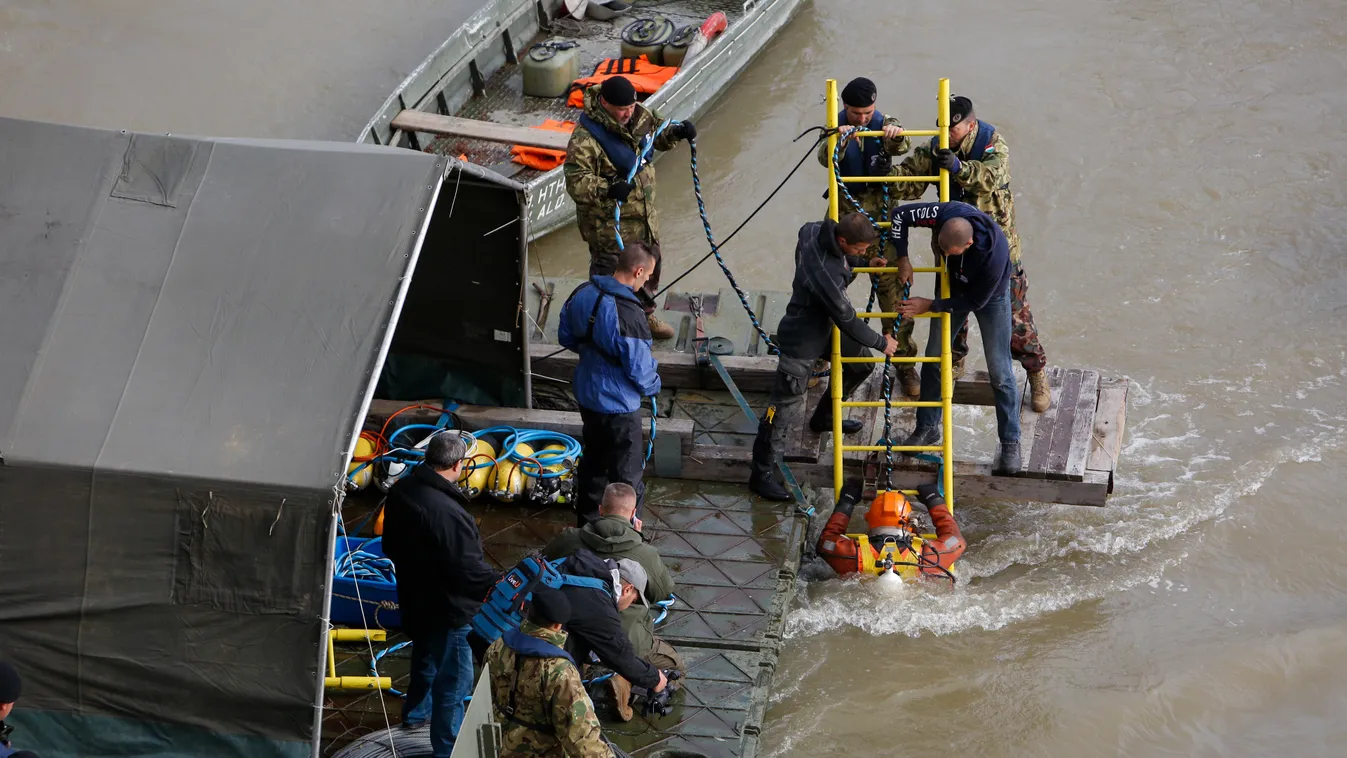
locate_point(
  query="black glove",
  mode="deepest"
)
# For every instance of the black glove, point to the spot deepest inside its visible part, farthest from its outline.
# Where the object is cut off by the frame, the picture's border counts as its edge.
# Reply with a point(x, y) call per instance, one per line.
point(930, 495)
point(881, 165)
point(946, 159)
point(846, 502)
point(619, 190)
point(684, 130)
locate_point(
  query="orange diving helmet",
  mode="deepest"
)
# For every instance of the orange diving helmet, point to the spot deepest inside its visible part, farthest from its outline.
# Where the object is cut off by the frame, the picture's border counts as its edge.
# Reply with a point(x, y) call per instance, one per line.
point(890, 515)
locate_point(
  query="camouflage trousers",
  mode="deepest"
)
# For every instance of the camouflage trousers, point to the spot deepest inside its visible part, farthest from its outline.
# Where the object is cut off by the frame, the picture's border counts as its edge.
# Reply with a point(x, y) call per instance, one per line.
point(889, 291)
point(1024, 344)
point(604, 252)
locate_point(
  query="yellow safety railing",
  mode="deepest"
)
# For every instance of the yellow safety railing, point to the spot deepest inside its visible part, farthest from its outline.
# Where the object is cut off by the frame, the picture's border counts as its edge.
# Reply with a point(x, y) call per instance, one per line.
point(946, 447)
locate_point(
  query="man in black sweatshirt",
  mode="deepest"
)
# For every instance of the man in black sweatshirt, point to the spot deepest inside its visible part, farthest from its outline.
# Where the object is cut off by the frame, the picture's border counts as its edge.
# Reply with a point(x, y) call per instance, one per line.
point(824, 256)
point(442, 578)
point(979, 267)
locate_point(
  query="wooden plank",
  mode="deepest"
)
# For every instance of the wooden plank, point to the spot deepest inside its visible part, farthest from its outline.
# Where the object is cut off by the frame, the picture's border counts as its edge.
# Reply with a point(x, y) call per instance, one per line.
point(482, 416)
point(1082, 427)
point(1110, 417)
point(752, 373)
point(974, 480)
point(452, 126)
point(1055, 461)
point(1037, 455)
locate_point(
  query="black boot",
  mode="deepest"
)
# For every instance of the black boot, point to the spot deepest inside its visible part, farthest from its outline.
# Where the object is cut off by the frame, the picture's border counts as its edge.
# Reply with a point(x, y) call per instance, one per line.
point(922, 436)
point(822, 420)
point(1009, 461)
point(762, 477)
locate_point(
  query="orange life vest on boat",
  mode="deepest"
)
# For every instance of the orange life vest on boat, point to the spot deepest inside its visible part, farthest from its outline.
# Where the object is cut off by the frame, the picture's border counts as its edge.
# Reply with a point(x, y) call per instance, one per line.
point(645, 76)
point(540, 157)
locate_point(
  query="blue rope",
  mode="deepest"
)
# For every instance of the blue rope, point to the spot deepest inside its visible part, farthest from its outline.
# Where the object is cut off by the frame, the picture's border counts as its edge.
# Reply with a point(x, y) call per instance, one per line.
point(647, 146)
point(650, 446)
point(715, 250)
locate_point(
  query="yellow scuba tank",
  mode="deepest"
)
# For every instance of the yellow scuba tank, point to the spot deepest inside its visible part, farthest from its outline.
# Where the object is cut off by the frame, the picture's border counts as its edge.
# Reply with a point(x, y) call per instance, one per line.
point(364, 450)
point(553, 489)
point(479, 469)
point(512, 481)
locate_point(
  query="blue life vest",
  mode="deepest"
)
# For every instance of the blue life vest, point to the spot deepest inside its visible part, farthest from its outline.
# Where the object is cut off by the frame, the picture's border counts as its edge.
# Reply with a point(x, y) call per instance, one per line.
point(861, 153)
point(503, 609)
point(6, 751)
point(980, 144)
point(533, 647)
point(618, 151)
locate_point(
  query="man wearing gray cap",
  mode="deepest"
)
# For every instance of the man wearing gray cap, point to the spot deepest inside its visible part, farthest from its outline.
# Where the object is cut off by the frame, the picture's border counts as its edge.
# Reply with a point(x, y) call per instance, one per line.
point(654, 650)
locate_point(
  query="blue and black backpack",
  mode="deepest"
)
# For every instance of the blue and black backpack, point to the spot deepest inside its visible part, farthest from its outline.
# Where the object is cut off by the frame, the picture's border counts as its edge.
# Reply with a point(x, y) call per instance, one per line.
point(504, 608)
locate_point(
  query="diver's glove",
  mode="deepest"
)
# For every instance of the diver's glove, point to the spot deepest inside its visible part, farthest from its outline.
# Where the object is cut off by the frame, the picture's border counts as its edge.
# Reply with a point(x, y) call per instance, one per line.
point(930, 495)
point(619, 191)
point(846, 502)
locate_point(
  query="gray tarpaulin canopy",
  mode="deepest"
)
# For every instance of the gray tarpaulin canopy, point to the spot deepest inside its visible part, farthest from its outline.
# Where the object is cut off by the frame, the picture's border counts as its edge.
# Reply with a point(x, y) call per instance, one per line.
point(189, 333)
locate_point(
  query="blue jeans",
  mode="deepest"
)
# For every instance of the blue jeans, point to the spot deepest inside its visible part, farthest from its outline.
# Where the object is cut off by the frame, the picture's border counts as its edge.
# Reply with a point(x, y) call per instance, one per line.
point(994, 323)
point(441, 680)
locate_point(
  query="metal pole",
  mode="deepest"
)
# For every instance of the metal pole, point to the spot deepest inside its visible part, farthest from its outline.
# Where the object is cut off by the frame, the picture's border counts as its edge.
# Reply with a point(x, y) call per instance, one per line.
point(836, 388)
point(831, 122)
point(946, 365)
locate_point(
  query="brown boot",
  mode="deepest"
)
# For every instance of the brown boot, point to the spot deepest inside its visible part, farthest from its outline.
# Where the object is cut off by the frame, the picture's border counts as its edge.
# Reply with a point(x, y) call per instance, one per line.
point(660, 330)
point(1040, 393)
point(907, 375)
point(956, 370)
point(622, 696)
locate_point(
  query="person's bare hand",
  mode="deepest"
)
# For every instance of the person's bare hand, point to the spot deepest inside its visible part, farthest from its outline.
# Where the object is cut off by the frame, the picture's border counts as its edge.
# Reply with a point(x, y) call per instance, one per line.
point(892, 131)
point(878, 262)
point(904, 270)
point(890, 345)
point(914, 306)
point(663, 681)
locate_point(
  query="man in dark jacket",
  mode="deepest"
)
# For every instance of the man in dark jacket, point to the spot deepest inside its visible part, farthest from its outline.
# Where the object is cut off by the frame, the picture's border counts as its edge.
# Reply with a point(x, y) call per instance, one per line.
point(603, 322)
point(824, 256)
point(442, 579)
point(616, 534)
point(596, 625)
point(978, 260)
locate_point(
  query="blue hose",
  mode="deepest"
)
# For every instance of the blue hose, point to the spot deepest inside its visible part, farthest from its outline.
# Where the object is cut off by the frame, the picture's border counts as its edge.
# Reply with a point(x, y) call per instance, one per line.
point(541, 460)
point(650, 446)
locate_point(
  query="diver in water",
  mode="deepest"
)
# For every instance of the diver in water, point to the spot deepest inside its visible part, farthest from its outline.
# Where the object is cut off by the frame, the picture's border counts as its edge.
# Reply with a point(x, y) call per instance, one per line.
point(890, 531)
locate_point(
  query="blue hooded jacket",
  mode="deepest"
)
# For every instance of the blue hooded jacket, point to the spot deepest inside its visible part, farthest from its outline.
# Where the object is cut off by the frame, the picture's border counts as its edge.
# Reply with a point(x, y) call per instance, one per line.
point(616, 370)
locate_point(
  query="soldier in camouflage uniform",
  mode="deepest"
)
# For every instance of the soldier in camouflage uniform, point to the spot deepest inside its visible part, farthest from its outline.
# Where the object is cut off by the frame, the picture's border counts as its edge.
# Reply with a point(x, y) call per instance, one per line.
point(874, 157)
point(599, 156)
point(980, 175)
point(536, 690)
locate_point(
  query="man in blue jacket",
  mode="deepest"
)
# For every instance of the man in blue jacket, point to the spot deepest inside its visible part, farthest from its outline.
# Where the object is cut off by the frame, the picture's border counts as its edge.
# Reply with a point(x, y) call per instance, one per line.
point(604, 322)
point(979, 267)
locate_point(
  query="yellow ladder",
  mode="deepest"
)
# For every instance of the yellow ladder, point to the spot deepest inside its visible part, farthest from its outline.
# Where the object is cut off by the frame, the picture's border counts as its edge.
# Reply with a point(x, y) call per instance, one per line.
point(946, 448)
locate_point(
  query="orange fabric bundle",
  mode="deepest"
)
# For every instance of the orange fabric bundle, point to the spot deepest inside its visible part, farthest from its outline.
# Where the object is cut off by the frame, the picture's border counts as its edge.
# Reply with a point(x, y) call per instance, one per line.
point(540, 157)
point(645, 76)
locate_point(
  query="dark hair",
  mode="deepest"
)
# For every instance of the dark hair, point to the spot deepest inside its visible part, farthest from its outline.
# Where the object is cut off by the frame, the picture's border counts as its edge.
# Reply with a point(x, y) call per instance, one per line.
point(636, 255)
point(855, 227)
point(445, 450)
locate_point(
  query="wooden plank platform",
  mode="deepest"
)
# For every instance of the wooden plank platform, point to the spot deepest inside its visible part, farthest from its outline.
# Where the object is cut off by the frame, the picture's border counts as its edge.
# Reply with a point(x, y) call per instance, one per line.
point(452, 126)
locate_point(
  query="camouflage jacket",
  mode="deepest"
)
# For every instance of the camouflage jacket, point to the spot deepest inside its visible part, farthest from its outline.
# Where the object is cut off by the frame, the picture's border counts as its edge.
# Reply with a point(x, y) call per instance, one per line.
point(872, 195)
point(589, 172)
point(547, 691)
point(985, 180)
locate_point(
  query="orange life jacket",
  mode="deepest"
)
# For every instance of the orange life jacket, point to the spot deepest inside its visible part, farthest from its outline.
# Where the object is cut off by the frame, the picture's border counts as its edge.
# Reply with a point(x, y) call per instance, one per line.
point(540, 157)
point(645, 76)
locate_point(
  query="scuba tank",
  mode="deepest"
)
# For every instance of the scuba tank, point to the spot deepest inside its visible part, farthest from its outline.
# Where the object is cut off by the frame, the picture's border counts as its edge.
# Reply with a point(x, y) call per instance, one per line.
point(647, 36)
point(550, 67)
point(559, 486)
point(512, 477)
point(364, 451)
point(677, 46)
point(479, 468)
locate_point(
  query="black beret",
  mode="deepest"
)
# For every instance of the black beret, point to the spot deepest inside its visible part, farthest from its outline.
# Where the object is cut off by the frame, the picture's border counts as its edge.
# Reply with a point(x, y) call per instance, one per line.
point(859, 93)
point(618, 91)
point(550, 605)
point(960, 108)
point(10, 684)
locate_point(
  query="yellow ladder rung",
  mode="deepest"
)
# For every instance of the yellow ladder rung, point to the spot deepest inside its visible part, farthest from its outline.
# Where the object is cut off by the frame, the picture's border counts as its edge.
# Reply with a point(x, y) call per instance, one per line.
point(891, 179)
point(881, 359)
point(894, 404)
point(906, 133)
point(894, 314)
point(895, 448)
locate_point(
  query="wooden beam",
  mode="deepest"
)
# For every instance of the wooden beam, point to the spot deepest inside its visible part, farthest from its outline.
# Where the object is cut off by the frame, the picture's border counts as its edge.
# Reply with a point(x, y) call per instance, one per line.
point(752, 373)
point(1110, 416)
point(483, 416)
point(974, 480)
point(452, 126)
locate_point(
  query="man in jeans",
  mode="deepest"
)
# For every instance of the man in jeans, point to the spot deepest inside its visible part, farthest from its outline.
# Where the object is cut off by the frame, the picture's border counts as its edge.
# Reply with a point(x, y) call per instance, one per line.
point(978, 261)
point(442, 578)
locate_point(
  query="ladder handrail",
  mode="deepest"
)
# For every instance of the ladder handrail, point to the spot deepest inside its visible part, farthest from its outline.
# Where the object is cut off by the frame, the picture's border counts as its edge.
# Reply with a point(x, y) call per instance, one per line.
point(946, 446)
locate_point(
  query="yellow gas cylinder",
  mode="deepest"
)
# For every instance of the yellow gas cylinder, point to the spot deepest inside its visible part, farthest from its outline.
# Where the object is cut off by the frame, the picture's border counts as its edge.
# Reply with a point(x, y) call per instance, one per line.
point(364, 449)
point(479, 469)
point(512, 480)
